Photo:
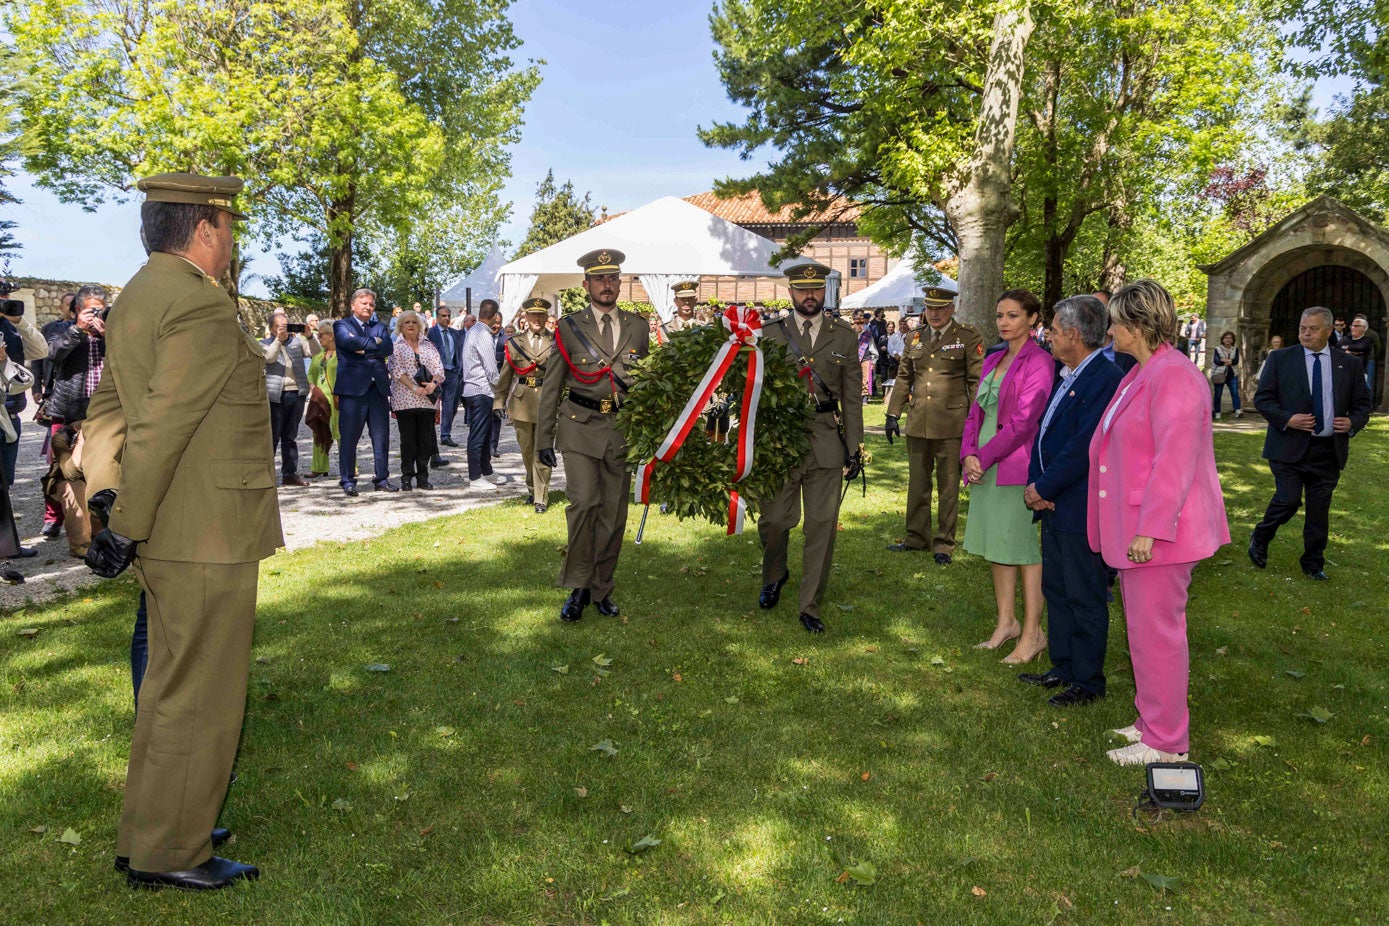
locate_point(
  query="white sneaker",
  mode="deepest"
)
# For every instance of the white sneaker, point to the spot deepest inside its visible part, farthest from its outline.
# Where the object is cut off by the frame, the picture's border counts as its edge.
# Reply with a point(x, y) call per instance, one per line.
point(1140, 754)
point(495, 478)
point(1239, 413)
point(1217, 416)
point(482, 485)
point(1128, 734)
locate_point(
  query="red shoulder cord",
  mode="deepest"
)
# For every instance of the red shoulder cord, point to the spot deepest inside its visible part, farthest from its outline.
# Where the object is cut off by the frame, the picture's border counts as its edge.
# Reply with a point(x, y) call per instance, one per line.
point(519, 371)
point(587, 378)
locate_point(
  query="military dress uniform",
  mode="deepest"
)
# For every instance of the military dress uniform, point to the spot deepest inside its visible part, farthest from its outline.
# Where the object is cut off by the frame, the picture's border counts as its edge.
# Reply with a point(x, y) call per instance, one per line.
point(938, 374)
point(179, 429)
point(685, 289)
point(832, 352)
point(578, 409)
point(519, 394)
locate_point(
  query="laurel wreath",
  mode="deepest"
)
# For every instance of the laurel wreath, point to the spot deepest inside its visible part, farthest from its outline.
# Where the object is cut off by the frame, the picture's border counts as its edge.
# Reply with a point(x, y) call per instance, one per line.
point(697, 482)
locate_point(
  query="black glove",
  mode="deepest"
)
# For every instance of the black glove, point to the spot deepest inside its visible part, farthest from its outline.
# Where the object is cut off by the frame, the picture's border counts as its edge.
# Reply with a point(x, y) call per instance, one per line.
point(100, 505)
point(109, 554)
point(547, 457)
point(890, 428)
point(853, 466)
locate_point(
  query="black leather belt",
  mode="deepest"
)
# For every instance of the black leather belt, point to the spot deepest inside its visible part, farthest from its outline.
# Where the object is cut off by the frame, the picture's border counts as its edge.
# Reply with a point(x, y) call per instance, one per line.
point(532, 381)
point(605, 406)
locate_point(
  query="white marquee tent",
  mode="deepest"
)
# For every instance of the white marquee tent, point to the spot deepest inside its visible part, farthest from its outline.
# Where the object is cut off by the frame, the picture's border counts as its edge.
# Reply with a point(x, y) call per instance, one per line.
point(665, 241)
point(899, 287)
point(482, 281)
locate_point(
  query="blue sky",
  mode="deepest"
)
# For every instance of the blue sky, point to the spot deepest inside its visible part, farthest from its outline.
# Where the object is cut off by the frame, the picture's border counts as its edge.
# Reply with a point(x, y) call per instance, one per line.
point(616, 112)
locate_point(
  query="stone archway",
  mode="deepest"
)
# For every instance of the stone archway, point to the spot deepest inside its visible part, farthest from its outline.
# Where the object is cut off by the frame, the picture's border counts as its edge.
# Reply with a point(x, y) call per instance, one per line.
point(1346, 291)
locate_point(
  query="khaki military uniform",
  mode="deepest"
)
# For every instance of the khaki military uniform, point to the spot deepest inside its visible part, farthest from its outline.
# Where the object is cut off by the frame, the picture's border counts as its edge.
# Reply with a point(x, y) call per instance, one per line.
point(595, 450)
point(938, 375)
point(680, 324)
point(818, 480)
point(520, 396)
point(180, 429)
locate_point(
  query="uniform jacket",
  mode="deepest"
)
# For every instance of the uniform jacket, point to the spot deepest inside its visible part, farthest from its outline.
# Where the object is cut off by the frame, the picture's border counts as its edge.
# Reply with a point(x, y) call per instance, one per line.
point(1060, 460)
point(520, 395)
point(1022, 399)
point(1152, 474)
point(438, 334)
point(362, 352)
point(1284, 391)
point(834, 357)
point(570, 427)
point(179, 427)
point(939, 383)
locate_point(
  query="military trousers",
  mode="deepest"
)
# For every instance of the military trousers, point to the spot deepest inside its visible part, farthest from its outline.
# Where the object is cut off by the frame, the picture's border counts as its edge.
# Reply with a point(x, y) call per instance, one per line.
point(819, 487)
point(537, 473)
point(598, 490)
point(927, 457)
point(191, 705)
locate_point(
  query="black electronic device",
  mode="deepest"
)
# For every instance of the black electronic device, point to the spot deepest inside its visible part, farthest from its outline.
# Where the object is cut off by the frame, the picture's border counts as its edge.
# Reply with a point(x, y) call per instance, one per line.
point(1176, 785)
point(295, 328)
point(12, 308)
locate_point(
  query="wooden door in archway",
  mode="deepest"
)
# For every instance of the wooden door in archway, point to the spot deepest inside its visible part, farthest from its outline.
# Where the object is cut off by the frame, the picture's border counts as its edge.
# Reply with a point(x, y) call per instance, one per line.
point(1345, 291)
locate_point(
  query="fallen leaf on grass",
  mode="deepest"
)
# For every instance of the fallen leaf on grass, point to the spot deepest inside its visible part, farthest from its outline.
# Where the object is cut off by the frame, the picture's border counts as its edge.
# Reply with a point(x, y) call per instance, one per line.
point(70, 837)
point(602, 660)
point(1265, 741)
point(731, 699)
point(437, 584)
point(378, 667)
point(989, 777)
point(675, 677)
point(40, 829)
point(937, 661)
point(1163, 883)
point(581, 792)
point(1318, 713)
point(1294, 673)
point(1366, 740)
point(799, 661)
point(562, 670)
point(27, 632)
point(263, 660)
point(450, 620)
point(623, 808)
point(444, 731)
point(643, 844)
point(978, 891)
point(606, 747)
point(350, 766)
point(845, 607)
point(1223, 651)
point(863, 873)
point(1133, 872)
point(342, 804)
point(1221, 765)
point(427, 830)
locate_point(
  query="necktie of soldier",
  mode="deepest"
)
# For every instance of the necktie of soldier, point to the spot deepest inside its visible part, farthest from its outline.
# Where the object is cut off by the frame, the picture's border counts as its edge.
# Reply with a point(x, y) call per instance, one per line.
point(1317, 397)
point(605, 328)
point(806, 329)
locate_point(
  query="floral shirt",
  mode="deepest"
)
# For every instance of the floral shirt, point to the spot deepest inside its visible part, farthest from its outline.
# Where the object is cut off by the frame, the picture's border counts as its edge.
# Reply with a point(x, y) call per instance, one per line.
point(402, 366)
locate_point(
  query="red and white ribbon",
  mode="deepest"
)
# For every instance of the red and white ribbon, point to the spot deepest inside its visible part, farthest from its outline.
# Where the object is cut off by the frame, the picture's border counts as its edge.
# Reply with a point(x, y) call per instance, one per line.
point(737, 513)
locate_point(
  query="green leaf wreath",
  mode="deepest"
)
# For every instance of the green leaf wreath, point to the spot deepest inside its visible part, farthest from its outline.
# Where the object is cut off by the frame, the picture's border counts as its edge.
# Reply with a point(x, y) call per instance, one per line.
point(698, 481)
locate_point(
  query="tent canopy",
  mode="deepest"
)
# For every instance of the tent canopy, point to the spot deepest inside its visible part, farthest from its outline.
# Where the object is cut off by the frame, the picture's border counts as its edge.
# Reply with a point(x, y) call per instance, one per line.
point(665, 241)
point(900, 287)
point(482, 281)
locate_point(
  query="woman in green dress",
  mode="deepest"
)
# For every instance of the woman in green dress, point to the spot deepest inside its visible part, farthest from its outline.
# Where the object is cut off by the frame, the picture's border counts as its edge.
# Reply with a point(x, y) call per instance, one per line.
point(1014, 387)
point(323, 375)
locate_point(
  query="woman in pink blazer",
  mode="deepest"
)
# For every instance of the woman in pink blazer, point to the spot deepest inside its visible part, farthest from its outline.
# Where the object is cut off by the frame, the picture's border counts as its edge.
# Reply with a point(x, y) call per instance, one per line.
point(1156, 510)
point(1003, 419)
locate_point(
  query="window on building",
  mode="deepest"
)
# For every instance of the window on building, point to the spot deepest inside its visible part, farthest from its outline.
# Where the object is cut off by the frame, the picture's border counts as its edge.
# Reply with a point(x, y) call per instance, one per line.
point(858, 268)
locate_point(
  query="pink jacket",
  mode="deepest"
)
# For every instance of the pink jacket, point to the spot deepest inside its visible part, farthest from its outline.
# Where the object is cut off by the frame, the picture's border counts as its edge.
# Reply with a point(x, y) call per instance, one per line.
point(1022, 400)
point(1152, 471)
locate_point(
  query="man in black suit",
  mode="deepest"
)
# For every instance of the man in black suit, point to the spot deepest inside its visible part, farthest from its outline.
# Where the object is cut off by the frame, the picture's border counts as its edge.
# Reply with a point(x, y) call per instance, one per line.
point(1074, 580)
point(1315, 400)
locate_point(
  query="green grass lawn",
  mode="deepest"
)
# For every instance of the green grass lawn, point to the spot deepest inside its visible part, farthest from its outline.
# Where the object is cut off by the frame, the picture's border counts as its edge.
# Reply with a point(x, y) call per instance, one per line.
point(462, 786)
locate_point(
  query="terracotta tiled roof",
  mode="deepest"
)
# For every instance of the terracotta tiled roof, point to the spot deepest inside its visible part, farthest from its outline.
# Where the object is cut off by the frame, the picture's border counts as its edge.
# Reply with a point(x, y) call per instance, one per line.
point(748, 210)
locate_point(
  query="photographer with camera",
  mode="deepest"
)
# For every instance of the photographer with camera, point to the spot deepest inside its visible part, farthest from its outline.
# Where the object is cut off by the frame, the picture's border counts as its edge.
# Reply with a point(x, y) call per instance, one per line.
point(287, 384)
point(20, 341)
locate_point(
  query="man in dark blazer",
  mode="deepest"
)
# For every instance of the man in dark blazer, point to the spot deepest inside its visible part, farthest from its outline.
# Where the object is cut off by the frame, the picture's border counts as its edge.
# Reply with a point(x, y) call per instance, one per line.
point(449, 342)
point(363, 389)
point(1074, 581)
point(1315, 399)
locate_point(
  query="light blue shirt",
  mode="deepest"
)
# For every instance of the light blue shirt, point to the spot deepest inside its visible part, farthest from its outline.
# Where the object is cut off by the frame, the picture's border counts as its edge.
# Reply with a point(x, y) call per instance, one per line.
point(1326, 397)
point(1062, 390)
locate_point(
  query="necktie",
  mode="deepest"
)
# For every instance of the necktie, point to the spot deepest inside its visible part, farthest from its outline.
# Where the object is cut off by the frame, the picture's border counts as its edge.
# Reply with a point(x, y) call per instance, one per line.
point(806, 329)
point(935, 338)
point(605, 328)
point(1317, 397)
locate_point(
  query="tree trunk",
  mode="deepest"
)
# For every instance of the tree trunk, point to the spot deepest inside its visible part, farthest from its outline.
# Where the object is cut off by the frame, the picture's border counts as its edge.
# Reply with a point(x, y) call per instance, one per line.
point(981, 206)
point(340, 235)
point(231, 280)
point(1113, 274)
point(1054, 251)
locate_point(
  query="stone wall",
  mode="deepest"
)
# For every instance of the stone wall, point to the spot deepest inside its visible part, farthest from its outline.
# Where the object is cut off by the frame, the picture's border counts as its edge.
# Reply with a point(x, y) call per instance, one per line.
point(41, 299)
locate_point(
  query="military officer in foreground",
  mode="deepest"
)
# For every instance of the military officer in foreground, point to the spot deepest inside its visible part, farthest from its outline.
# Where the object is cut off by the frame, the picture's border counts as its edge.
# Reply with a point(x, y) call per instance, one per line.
point(526, 355)
point(829, 348)
point(178, 452)
point(686, 294)
point(586, 381)
point(938, 374)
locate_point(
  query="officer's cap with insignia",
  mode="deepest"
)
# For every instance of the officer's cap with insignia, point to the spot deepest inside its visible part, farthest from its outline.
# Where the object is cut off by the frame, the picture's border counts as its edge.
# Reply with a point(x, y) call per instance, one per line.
point(810, 275)
point(602, 262)
point(193, 190)
point(934, 297)
point(537, 305)
point(685, 289)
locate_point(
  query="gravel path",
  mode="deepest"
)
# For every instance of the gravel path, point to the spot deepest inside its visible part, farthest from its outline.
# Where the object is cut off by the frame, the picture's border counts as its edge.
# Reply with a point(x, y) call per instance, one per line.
point(308, 515)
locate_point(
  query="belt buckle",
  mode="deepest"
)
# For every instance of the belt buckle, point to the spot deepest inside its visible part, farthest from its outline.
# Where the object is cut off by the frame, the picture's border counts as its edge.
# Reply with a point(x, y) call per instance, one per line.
point(605, 406)
point(532, 381)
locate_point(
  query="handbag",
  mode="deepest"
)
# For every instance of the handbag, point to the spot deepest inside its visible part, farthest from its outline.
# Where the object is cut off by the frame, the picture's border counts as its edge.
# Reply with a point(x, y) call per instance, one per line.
point(17, 378)
point(1219, 374)
point(424, 378)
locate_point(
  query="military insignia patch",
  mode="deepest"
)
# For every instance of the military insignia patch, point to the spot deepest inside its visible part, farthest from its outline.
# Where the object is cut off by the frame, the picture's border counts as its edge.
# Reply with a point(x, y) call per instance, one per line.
point(979, 349)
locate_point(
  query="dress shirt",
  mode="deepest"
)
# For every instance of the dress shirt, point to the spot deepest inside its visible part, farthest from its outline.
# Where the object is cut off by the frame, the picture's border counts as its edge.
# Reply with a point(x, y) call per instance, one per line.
point(1114, 407)
point(1327, 404)
point(797, 321)
point(1067, 378)
point(896, 345)
point(479, 361)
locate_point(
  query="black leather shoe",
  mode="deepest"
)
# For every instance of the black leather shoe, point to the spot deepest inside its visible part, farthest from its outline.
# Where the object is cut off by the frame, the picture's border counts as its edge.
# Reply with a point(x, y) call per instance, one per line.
point(1316, 575)
point(405, 485)
point(541, 509)
point(903, 548)
point(212, 875)
point(448, 442)
point(350, 491)
point(220, 835)
point(944, 559)
point(812, 623)
point(1041, 679)
point(439, 462)
point(607, 607)
point(24, 553)
point(386, 486)
point(573, 609)
point(423, 483)
point(1073, 697)
point(771, 593)
point(52, 531)
point(1258, 553)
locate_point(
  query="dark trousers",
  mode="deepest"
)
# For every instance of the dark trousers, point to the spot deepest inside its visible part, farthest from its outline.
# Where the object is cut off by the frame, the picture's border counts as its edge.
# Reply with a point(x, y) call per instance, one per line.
point(1231, 383)
point(285, 416)
point(480, 423)
point(496, 433)
point(1075, 586)
point(9, 453)
point(139, 648)
point(416, 441)
point(372, 410)
point(1317, 474)
point(448, 395)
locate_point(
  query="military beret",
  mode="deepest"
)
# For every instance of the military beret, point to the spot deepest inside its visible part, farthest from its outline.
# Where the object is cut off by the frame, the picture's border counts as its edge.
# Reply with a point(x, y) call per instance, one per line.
point(602, 262)
point(541, 306)
point(685, 289)
point(193, 190)
point(936, 297)
point(810, 275)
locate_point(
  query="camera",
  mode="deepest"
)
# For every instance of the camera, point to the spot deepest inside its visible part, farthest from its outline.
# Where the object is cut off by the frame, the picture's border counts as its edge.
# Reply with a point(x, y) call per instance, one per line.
point(295, 328)
point(11, 308)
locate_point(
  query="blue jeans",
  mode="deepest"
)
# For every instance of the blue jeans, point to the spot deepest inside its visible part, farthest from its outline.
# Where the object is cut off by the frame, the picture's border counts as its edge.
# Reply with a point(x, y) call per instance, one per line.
point(480, 423)
point(9, 453)
point(448, 395)
point(1369, 379)
point(1232, 382)
point(372, 410)
point(139, 648)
